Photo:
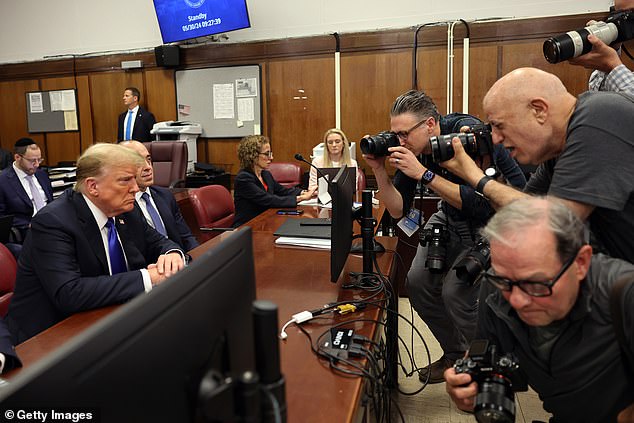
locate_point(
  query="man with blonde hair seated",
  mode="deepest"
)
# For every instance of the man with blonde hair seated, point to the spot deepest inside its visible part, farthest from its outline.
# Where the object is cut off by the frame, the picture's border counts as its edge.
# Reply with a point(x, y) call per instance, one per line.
point(89, 248)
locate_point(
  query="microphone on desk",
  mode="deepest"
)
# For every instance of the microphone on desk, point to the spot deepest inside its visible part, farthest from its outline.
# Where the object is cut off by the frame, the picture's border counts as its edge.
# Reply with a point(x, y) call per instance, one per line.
point(302, 159)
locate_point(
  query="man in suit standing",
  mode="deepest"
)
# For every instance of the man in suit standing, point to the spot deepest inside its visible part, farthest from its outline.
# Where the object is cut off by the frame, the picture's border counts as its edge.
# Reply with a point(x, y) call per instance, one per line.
point(158, 204)
point(24, 188)
point(89, 248)
point(136, 122)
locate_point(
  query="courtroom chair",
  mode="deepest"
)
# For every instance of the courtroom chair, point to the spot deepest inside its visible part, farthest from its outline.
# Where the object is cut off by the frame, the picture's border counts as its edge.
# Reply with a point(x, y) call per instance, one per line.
point(286, 174)
point(214, 210)
point(169, 160)
point(361, 184)
point(7, 278)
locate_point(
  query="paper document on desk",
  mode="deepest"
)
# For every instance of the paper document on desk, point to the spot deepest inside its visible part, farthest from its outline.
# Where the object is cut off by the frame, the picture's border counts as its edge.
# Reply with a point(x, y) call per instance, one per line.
point(321, 244)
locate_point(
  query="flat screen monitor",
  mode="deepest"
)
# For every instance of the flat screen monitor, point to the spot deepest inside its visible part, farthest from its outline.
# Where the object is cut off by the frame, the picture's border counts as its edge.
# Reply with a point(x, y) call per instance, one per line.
point(185, 19)
point(331, 172)
point(341, 191)
point(144, 362)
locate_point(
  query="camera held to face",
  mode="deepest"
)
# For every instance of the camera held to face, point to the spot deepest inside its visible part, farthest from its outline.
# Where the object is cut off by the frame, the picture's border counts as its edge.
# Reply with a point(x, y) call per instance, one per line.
point(497, 377)
point(474, 262)
point(436, 237)
point(618, 27)
point(477, 143)
point(378, 144)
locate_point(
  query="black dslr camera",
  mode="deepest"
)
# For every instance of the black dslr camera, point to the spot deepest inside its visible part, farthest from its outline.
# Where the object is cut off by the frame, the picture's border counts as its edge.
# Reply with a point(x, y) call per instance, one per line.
point(437, 237)
point(618, 27)
point(497, 377)
point(474, 262)
point(477, 143)
point(379, 143)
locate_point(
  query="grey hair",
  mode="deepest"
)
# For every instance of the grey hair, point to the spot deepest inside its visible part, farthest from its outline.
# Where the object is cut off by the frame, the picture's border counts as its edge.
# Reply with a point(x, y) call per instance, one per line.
point(417, 103)
point(525, 213)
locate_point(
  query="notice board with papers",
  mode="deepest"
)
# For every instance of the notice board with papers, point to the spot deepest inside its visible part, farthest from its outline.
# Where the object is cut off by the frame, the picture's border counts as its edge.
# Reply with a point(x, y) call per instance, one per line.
point(52, 111)
point(226, 101)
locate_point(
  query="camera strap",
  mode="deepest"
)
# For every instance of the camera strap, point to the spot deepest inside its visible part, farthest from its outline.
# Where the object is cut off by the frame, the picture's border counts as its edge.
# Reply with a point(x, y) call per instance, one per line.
point(616, 310)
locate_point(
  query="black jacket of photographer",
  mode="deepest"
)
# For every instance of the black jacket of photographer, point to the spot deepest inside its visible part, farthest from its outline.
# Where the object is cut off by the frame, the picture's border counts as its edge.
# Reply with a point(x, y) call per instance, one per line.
point(475, 208)
point(585, 378)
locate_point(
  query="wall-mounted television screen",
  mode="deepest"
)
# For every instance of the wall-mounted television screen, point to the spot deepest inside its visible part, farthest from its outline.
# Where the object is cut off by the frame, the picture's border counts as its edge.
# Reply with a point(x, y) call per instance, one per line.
point(184, 19)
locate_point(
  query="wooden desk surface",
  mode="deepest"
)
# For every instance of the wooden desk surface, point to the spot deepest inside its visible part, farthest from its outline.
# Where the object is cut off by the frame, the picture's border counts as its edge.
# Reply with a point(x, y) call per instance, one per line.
point(296, 279)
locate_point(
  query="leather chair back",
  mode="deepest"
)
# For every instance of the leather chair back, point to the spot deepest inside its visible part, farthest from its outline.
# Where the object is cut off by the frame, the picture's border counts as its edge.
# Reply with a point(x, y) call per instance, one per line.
point(213, 208)
point(169, 160)
point(361, 180)
point(7, 278)
point(286, 174)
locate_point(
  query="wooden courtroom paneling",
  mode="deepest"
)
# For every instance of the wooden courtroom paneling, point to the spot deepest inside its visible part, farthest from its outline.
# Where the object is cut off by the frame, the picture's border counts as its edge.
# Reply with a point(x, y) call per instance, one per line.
point(160, 94)
point(106, 92)
point(61, 146)
point(482, 74)
point(301, 104)
point(529, 53)
point(369, 84)
point(221, 152)
point(13, 113)
point(85, 112)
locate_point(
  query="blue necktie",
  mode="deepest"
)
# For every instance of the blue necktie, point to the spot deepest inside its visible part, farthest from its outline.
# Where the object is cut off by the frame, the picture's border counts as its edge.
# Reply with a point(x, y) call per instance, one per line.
point(158, 224)
point(117, 259)
point(128, 127)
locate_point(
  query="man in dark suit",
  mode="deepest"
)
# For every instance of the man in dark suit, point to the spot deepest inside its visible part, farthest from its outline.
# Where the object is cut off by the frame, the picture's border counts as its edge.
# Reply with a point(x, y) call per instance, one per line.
point(8, 357)
point(5, 158)
point(158, 203)
point(89, 248)
point(24, 188)
point(136, 122)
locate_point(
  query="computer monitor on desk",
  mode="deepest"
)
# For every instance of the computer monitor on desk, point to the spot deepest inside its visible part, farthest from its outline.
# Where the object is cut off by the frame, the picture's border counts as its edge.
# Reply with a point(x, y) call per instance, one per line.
point(145, 361)
point(341, 190)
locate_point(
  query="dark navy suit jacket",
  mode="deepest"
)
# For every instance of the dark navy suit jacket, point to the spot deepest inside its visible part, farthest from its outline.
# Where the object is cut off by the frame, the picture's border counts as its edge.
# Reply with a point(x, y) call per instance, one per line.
point(6, 347)
point(63, 268)
point(177, 229)
point(14, 199)
point(142, 125)
point(251, 199)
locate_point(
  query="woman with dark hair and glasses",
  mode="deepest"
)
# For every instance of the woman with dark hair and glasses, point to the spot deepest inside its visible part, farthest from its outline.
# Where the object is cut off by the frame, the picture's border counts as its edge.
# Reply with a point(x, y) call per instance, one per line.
point(255, 189)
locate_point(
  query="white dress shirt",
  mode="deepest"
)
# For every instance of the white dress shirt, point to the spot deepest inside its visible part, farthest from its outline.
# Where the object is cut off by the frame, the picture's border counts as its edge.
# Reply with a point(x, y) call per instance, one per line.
point(25, 184)
point(102, 219)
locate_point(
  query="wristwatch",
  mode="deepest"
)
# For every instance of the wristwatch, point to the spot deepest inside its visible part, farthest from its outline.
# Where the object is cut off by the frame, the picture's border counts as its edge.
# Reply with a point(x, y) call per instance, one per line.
point(481, 183)
point(427, 177)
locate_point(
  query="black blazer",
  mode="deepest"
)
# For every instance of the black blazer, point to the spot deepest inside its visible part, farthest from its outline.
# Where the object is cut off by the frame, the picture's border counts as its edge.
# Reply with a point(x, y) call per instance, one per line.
point(251, 199)
point(6, 347)
point(142, 125)
point(14, 199)
point(63, 268)
point(177, 229)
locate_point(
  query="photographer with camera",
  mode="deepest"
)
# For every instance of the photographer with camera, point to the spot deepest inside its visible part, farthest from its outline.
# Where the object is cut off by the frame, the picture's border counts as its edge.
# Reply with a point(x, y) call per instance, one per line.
point(547, 300)
point(444, 302)
point(584, 148)
point(610, 74)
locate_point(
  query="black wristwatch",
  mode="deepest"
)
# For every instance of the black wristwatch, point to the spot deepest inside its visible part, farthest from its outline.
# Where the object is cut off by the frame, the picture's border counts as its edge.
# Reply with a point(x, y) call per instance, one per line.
point(481, 183)
point(427, 177)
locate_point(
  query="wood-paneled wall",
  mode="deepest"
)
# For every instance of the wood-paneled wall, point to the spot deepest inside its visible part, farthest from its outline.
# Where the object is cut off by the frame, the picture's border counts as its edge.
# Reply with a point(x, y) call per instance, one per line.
point(297, 83)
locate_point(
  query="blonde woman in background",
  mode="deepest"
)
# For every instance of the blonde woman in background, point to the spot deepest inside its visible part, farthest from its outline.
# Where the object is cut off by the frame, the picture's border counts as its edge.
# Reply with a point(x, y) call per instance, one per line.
point(336, 154)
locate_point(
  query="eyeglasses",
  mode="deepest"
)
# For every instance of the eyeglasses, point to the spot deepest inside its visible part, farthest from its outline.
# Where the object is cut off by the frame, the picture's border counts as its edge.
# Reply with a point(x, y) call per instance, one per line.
point(33, 161)
point(268, 154)
point(532, 288)
point(404, 134)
